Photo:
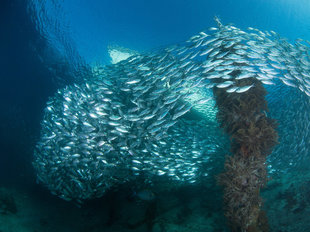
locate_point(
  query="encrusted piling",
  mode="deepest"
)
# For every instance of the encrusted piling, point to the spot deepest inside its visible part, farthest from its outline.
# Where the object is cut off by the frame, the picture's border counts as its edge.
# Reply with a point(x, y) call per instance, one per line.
point(253, 135)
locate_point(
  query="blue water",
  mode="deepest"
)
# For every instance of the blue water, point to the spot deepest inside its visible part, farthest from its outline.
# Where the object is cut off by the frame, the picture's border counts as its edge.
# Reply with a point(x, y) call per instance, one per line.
point(41, 54)
point(144, 25)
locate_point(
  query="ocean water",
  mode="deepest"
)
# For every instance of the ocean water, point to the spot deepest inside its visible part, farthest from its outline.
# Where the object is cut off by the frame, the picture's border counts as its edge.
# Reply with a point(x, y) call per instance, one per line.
point(48, 45)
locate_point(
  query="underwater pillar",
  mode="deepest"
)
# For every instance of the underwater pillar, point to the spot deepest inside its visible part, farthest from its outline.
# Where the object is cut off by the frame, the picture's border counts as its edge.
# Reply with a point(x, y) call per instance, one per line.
point(243, 117)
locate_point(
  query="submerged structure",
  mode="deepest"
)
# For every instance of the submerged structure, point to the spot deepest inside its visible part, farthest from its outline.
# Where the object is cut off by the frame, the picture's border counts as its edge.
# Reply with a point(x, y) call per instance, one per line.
point(156, 115)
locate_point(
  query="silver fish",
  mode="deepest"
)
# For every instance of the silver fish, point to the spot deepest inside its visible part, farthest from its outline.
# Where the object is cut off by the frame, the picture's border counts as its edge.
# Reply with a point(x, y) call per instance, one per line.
point(244, 88)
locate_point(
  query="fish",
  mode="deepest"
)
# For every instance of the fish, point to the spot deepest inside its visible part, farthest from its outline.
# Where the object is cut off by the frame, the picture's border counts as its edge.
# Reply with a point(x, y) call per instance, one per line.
point(206, 51)
point(244, 88)
point(182, 112)
point(163, 114)
point(267, 82)
point(244, 75)
point(288, 82)
point(224, 84)
point(127, 120)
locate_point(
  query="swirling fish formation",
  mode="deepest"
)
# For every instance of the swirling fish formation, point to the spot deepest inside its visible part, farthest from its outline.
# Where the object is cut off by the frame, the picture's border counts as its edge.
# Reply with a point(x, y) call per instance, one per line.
point(130, 118)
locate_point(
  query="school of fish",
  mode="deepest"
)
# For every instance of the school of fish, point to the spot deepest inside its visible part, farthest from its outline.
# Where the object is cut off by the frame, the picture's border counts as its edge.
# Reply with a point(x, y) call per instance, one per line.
point(133, 118)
